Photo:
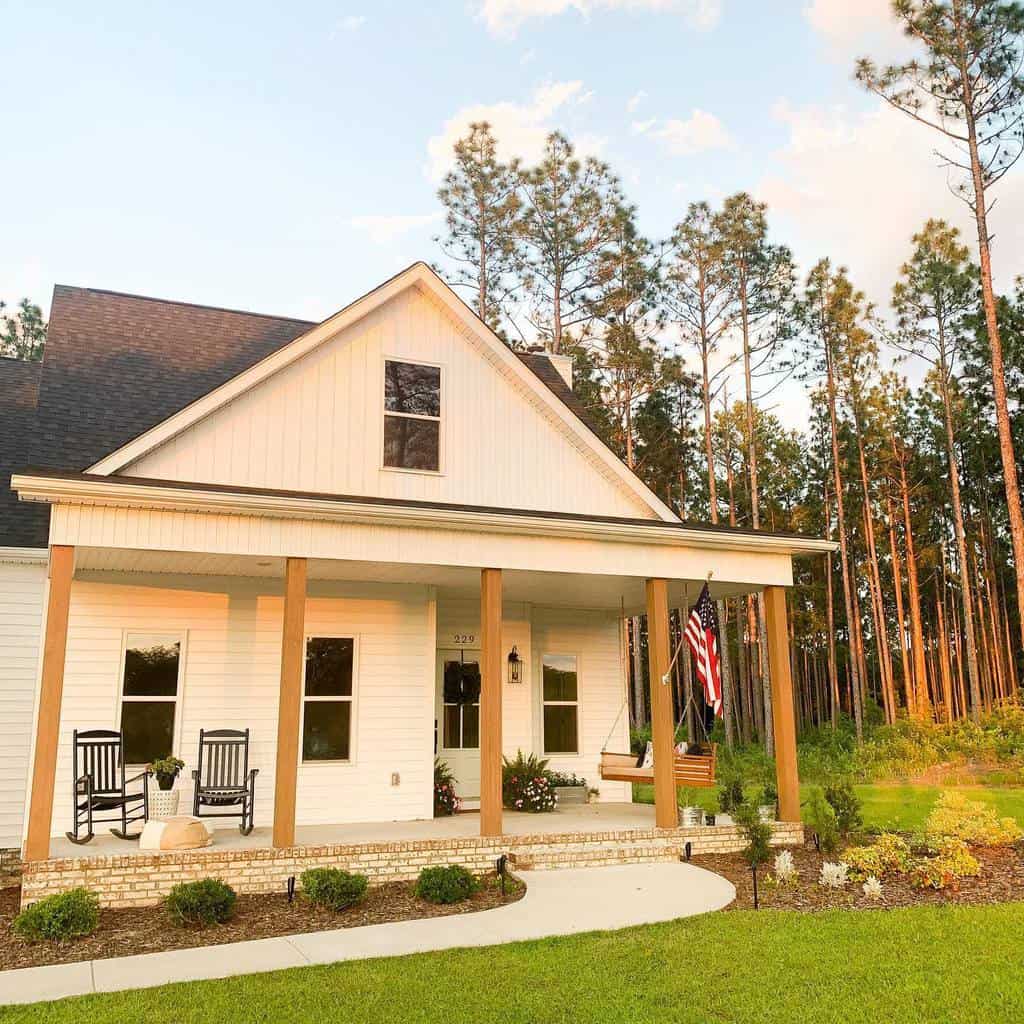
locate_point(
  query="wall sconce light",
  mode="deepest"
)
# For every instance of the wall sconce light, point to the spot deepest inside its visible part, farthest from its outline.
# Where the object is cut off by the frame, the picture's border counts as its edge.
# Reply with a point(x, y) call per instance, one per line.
point(515, 666)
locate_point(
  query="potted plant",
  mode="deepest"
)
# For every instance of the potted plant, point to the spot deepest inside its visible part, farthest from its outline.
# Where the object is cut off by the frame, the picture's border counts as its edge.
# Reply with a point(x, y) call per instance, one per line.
point(446, 802)
point(691, 814)
point(164, 802)
point(569, 788)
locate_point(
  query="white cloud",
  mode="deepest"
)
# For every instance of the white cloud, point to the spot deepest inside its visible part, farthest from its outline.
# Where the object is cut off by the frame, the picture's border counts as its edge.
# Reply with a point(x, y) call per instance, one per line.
point(383, 229)
point(528, 57)
point(854, 186)
point(635, 100)
point(642, 127)
point(861, 28)
point(505, 17)
point(520, 128)
point(699, 133)
point(350, 23)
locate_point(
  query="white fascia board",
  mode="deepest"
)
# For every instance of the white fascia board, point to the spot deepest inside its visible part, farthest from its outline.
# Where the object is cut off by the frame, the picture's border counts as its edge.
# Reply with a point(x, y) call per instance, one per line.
point(24, 556)
point(116, 493)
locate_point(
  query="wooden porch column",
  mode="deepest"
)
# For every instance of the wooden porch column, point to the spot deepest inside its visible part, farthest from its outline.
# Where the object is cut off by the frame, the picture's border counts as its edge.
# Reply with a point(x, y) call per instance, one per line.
point(51, 689)
point(666, 811)
point(783, 722)
point(490, 702)
point(289, 705)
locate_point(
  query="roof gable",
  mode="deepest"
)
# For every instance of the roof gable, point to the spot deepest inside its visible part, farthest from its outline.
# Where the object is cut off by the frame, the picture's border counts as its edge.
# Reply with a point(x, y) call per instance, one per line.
point(289, 381)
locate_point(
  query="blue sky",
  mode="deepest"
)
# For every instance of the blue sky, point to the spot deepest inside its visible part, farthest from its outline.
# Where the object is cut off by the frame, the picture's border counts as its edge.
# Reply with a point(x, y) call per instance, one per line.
point(285, 158)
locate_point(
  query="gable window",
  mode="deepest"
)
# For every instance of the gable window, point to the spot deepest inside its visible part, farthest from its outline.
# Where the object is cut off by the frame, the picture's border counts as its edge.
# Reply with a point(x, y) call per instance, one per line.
point(149, 696)
point(327, 699)
point(412, 416)
point(561, 703)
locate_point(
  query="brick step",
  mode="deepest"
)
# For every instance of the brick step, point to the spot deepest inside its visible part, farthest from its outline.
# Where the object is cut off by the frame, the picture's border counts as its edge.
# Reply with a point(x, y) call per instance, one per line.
point(599, 856)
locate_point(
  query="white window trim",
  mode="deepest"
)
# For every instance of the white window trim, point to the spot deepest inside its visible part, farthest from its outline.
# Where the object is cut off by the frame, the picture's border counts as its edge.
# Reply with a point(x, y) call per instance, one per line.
point(439, 420)
point(353, 749)
point(179, 636)
point(577, 703)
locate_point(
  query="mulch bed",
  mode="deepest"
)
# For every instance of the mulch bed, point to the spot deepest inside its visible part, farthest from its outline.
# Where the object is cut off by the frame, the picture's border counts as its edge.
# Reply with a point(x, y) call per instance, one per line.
point(1001, 881)
point(151, 930)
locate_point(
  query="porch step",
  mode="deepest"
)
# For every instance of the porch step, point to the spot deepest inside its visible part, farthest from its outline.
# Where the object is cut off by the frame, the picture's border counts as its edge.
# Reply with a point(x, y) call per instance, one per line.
point(589, 855)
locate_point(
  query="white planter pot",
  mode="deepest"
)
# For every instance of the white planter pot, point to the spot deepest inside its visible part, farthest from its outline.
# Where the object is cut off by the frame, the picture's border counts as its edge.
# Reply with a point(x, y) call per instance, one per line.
point(571, 794)
point(163, 803)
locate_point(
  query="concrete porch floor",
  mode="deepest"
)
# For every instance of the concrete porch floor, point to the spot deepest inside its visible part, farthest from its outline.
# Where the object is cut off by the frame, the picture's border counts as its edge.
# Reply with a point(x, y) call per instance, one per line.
point(584, 818)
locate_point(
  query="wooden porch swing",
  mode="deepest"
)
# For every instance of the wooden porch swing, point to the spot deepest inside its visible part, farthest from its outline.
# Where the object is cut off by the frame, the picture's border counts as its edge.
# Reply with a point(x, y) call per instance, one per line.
point(694, 768)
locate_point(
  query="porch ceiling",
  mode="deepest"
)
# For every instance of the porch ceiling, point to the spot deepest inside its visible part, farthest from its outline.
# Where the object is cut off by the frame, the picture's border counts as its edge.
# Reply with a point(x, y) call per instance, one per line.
point(571, 590)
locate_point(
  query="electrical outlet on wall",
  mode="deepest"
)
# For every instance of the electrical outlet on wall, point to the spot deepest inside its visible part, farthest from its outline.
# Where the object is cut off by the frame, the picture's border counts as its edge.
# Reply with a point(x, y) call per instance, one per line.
point(396, 779)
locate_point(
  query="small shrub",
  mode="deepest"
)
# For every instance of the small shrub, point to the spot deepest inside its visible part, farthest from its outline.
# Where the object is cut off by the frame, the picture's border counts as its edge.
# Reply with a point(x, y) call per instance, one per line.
point(888, 855)
point(785, 869)
point(846, 805)
point(758, 834)
point(731, 796)
point(449, 884)
point(872, 888)
point(526, 784)
point(944, 871)
point(63, 916)
point(833, 876)
point(820, 818)
point(333, 888)
point(956, 817)
point(446, 803)
point(208, 901)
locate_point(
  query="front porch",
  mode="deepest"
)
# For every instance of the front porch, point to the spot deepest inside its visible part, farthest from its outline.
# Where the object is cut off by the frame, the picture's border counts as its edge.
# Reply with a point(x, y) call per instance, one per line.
point(589, 835)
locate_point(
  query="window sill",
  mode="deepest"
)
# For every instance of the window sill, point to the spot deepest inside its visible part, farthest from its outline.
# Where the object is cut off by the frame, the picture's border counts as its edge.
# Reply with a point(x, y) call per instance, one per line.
point(413, 472)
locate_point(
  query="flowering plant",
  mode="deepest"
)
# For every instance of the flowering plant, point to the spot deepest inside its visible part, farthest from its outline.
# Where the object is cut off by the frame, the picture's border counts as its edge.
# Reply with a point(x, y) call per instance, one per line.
point(872, 888)
point(833, 876)
point(526, 784)
point(446, 803)
point(785, 869)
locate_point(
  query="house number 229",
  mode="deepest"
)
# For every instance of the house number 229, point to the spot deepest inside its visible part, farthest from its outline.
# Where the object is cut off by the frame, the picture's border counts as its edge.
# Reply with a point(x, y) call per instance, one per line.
point(463, 639)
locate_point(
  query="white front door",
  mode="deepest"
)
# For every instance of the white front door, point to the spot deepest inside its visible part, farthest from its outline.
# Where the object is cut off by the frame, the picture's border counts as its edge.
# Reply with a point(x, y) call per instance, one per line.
point(458, 722)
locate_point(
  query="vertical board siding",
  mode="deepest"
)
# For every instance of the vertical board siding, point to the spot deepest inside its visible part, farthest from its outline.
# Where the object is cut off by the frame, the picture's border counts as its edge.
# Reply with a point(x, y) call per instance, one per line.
point(232, 650)
point(21, 615)
point(317, 425)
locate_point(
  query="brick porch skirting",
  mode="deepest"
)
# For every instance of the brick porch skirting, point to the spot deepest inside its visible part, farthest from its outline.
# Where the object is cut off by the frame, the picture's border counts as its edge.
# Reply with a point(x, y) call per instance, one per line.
point(143, 880)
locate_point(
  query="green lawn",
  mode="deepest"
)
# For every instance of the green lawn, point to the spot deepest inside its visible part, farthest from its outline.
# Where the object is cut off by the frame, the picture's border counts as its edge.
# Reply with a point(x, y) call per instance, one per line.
point(922, 964)
point(902, 807)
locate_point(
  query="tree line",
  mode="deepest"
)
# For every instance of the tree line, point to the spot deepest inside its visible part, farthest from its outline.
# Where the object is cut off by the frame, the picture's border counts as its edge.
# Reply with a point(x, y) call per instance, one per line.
point(680, 347)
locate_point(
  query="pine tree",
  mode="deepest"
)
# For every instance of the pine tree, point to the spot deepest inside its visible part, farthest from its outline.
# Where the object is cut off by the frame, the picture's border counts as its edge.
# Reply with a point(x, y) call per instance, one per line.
point(970, 89)
point(481, 197)
point(23, 335)
point(572, 211)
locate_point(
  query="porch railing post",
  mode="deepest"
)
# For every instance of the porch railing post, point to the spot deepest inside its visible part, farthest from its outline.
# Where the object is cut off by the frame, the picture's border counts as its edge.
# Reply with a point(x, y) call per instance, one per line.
point(490, 702)
point(51, 690)
point(666, 812)
point(783, 720)
point(290, 702)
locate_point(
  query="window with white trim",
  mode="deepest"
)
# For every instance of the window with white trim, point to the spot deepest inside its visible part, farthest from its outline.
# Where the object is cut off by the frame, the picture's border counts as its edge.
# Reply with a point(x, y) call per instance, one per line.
point(412, 416)
point(327, 699)
point(150, 687)
point(560, 698)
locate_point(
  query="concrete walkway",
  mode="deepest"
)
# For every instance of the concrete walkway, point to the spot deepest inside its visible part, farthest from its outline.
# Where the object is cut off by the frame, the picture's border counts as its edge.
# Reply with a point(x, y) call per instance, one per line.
point(556, 903)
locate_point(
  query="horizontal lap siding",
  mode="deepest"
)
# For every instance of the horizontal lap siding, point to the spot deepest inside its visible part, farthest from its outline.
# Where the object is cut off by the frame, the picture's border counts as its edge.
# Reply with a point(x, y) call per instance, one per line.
point(231, 676)
point(21, 614)
point(595, 638)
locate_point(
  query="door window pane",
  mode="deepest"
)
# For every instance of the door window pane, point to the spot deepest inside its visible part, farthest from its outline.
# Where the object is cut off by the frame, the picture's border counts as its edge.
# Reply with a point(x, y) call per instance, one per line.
point(452, 726)
point(470, 726)
point(148, 728)
point(329, 666)
point(560, 729)
point(326, 730)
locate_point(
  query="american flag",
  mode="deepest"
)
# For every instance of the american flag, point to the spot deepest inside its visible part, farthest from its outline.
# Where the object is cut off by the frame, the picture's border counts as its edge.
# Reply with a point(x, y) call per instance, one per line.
point(702, 636)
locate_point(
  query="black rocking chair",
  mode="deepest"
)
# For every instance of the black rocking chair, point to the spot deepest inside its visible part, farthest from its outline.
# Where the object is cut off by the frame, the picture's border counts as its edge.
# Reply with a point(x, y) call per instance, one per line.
point(224, 779)
point(100, 786)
